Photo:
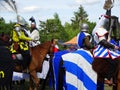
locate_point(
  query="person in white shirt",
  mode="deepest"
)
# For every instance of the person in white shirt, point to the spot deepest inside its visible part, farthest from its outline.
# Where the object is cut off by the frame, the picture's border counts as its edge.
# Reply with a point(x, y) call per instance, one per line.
point(34, 33)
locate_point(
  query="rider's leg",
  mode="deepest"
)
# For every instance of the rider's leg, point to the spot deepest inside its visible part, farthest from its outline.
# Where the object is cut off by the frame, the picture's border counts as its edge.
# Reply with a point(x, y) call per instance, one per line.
point(26, 58)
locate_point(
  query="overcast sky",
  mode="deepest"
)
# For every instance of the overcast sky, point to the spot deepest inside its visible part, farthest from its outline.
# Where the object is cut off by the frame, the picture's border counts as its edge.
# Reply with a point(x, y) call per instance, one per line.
point(45, 9)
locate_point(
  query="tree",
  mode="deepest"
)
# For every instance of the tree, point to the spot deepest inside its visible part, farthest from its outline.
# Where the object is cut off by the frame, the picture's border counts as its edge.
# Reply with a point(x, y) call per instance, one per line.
point(52, 28)
point(80, 17)
point(5, 27)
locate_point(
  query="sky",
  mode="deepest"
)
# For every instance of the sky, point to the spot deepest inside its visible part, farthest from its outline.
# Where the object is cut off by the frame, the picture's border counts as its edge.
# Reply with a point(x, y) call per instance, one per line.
point(45, 9)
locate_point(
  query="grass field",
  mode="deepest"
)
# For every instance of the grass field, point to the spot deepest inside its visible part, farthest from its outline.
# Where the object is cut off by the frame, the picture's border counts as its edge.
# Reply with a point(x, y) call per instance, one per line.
point(25, 86)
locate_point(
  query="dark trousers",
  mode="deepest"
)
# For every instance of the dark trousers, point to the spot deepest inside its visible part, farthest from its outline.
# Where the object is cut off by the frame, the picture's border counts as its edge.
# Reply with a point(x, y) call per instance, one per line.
point(26, 58)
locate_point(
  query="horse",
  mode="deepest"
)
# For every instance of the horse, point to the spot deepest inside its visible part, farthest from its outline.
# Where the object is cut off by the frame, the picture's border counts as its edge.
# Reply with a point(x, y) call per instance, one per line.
point(38, 54)
point(73, 70)
point(101, 66)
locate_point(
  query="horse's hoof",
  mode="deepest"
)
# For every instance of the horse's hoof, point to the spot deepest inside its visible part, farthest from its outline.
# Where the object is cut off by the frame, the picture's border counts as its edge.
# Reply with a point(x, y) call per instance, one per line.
point(112, 84)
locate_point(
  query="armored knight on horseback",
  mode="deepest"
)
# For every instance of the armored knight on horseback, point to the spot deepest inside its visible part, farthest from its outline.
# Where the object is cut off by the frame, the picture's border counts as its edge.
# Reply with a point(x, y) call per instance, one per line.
point(34, 33)
point(105, 49)
point(20, 42)
point(84, 39)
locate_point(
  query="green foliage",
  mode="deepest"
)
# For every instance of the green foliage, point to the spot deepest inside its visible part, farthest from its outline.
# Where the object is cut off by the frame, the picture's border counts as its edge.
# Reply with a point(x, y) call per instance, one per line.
point(79, 17)
point(5, 27)
point(91, 26)
point(52, 28)
point(70, 31)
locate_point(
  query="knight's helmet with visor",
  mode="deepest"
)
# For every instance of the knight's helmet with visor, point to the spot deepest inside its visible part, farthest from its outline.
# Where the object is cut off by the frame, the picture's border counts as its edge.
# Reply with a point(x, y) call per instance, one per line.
point(84, 27)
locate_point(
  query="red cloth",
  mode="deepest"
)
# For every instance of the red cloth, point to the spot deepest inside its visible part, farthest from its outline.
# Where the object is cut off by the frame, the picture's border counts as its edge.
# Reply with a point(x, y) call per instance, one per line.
point(55, 49)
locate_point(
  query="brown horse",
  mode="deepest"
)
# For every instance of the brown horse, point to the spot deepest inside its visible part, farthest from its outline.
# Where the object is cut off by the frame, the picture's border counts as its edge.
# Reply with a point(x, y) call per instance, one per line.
point(101, 66)
point(38, 54)
point(118, 78)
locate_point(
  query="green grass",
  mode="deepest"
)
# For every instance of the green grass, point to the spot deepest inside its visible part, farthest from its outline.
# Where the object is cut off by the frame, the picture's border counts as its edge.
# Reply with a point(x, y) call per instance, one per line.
point(108, 87)
point(25, 86)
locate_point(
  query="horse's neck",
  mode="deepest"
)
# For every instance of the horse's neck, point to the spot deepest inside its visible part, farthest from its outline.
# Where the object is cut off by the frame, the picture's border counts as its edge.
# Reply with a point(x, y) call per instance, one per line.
point(46, 45)
point(42, 47)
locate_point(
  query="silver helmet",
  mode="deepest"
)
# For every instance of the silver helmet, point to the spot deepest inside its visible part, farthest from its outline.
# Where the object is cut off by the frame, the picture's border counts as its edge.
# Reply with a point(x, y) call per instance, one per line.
point(21, 20)
point(84, 27)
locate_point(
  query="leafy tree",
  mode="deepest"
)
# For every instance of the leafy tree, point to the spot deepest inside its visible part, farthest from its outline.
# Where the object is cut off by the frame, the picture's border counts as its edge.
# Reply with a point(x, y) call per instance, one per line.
point(73, 29)
point(69, 30)
point(5, 27)
point(91, 26)
point(79, 17)
point(52, 28)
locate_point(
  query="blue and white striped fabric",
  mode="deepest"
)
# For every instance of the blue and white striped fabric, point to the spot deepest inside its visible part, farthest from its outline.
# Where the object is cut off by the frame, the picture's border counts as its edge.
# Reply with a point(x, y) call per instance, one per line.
point(56, 66)
point(80, 38)
point(79, 72)
point(101, 52)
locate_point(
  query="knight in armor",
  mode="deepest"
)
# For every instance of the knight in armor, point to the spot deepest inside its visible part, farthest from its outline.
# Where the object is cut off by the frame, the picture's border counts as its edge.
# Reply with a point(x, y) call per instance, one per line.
point(20, 43)
point(84, 38)
point(34, 33)
point(105, 49)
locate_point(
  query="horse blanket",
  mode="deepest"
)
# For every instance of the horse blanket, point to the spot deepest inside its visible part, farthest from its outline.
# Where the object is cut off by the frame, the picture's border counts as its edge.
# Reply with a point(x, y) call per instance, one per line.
point(79, 74)
point(102, 52)
point(56, 66)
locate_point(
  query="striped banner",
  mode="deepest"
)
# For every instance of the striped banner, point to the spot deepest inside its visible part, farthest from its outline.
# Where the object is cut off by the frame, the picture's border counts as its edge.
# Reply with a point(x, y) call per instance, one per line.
point(79, 72)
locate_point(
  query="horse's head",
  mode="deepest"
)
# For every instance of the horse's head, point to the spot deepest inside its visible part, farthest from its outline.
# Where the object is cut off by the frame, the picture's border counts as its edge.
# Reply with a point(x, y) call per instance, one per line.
point(49, 47)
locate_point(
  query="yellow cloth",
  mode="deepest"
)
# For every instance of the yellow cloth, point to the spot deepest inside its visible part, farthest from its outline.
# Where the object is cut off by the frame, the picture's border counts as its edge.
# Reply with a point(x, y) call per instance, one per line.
point(17, 38)
point(21, 39)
